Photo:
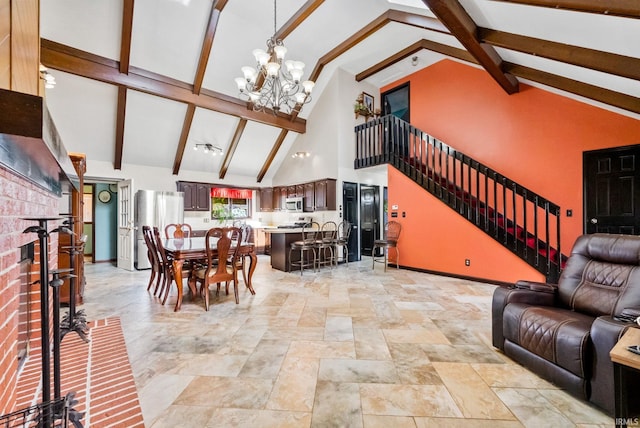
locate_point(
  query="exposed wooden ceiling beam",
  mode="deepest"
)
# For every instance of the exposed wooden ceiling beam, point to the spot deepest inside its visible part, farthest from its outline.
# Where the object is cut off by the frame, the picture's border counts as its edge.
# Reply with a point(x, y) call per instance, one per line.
point(612, 98)
point(84, 64)
point(460, 24)
point(272, 155)
point(298, 18)
point(606, 62)
point(411, 19)
point(232, 147)
point(207, 43)
point(184, 134)
point(125, 38)
point(120, 116)
point(410, 50)
point(626, 8)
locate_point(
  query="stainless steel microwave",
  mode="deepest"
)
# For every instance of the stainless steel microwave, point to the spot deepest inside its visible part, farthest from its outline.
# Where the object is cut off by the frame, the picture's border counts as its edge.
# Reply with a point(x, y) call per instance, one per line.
point(294, 205)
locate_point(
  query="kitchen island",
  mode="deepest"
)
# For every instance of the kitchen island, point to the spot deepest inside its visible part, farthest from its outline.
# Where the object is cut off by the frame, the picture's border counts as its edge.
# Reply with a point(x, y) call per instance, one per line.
point(281, 240)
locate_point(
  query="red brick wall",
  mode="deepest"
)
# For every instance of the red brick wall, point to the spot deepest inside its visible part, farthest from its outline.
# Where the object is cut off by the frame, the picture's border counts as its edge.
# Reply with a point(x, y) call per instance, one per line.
point(18, 199)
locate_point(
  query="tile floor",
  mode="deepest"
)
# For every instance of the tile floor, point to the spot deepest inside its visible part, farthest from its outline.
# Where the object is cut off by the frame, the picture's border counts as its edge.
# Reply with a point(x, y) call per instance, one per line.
point(348, 347)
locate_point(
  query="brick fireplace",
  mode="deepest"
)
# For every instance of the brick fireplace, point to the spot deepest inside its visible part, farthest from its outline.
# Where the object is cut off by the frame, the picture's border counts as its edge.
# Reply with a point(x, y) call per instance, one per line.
point(35, 171)
point(19, 198)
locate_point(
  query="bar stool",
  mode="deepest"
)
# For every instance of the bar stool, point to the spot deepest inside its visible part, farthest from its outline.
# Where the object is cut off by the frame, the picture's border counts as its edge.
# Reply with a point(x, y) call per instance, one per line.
point(306, 247)
point(342, 241)
point(326, 242)
point(391, 235)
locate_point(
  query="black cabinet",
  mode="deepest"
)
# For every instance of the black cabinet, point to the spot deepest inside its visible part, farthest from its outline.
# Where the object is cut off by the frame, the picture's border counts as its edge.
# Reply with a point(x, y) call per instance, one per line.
point(197, 196)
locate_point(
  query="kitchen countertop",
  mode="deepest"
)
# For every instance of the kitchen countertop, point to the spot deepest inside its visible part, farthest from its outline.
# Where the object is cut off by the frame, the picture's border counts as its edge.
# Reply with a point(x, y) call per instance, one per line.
point(284, 230)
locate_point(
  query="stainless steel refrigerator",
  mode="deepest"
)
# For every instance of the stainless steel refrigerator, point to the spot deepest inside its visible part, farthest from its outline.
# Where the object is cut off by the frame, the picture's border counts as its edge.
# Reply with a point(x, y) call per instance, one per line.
point(153, 208)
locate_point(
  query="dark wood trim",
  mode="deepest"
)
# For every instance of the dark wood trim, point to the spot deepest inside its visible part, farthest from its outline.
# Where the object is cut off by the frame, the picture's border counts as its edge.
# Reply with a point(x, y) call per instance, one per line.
point(460, 24)
point(182, 144)
point(407, 18)
point(22, 114)
point(207, 44)
point(613, 98)
point(298, 18)
point(455, 275)
point(77, 62)
point(125, 38)
point(416, 47)
point(626, 8)
point(606, 62)
point(232, 147)
point(120, 117)
point(272, 155)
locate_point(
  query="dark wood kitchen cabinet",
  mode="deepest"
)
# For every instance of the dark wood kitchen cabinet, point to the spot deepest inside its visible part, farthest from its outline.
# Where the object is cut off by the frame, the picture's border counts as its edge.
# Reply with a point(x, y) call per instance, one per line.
point(197, 196)
point(309, 196)
point(266, 199)
point(292, 191)
point(279, 196)
point(325, 195)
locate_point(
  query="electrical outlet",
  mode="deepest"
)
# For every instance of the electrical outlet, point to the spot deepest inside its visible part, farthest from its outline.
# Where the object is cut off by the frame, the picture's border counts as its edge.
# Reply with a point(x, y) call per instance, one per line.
point(467, 262)
point(205, 219)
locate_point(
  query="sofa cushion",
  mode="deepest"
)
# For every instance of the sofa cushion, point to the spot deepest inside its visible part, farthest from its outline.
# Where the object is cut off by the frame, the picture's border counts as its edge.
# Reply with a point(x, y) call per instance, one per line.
point(558, 335)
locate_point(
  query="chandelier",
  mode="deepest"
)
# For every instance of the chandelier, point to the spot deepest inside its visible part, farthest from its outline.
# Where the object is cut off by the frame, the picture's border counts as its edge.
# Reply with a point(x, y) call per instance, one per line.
point(274, 83)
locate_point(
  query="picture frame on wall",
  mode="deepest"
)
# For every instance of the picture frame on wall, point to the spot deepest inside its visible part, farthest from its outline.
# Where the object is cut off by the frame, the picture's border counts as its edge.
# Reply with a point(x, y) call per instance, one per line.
point(367, 100)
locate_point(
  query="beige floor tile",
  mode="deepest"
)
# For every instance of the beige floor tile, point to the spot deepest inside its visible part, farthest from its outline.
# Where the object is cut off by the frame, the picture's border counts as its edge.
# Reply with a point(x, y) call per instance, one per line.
point(212, 391)
point(337, 405)
point(295, 387)
point(371, 344)
point(376, 421)
point(472, 395)
point(408, 400)
point(321, 349)
point(258, 418)
point(415, 336)
point(357, 371)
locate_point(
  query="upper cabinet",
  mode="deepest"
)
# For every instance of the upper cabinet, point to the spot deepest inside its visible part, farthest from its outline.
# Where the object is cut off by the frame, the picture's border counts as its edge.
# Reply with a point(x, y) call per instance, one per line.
point(325, 195)
point(318, 196)
point(197, 196)
point(266, 199)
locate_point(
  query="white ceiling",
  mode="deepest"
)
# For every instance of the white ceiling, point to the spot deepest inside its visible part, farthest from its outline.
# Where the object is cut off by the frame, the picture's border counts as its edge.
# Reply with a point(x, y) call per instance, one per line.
point(167, 39)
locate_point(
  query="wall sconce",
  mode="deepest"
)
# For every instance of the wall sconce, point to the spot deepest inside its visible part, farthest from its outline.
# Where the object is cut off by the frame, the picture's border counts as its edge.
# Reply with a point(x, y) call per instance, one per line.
point(49, 80)
point(208, 148)
point(301, 155)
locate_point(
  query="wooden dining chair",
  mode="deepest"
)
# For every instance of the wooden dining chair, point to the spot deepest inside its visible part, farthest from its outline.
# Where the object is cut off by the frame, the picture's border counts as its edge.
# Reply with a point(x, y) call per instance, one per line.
point(157, 269)
point(221, 262)
point(178, 230)
point(166, 265)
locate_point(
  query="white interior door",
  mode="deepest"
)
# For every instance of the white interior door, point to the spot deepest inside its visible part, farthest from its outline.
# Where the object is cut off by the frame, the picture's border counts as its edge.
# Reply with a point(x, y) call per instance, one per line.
point(126, 231)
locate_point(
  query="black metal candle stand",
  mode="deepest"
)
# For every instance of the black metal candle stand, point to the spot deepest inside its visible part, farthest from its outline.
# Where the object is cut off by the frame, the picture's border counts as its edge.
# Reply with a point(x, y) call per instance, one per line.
point(51, 412)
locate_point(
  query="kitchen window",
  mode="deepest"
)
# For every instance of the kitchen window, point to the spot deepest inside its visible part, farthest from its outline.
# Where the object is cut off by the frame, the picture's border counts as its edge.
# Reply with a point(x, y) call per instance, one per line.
point(230, 204)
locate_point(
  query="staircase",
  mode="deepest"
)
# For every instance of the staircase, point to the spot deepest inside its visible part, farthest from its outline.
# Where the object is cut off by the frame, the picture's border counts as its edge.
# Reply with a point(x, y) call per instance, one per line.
point(521, 220)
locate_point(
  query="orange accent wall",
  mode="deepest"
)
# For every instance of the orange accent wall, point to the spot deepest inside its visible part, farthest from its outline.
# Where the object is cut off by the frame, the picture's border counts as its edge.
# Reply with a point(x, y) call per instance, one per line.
point(534, 137)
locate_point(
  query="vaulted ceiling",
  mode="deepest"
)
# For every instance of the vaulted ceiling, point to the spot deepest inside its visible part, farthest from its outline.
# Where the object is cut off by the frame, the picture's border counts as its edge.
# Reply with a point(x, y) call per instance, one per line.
point(142, 81)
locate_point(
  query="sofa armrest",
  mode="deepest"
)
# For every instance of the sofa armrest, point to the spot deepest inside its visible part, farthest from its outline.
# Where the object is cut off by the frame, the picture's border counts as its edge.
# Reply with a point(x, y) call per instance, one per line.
point(533, 293)
point(541, 287)
point(605, 333)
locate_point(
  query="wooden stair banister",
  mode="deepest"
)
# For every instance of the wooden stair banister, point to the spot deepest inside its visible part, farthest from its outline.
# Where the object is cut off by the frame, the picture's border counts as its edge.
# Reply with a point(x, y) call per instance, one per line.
point(521, 220)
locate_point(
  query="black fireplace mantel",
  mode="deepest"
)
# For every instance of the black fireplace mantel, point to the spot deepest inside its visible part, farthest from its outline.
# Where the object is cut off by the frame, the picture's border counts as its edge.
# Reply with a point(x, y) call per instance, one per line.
point(30, 145)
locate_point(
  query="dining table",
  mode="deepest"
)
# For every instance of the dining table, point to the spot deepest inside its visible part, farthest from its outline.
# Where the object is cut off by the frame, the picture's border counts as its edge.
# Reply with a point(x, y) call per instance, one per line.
point(180, 250)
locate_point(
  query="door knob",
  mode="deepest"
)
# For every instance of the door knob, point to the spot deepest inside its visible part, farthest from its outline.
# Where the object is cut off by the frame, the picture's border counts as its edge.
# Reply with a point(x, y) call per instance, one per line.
point(594, 221)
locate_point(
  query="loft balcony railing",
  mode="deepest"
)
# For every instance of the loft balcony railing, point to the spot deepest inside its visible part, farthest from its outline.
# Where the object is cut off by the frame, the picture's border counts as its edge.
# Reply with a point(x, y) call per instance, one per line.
point(518, 218)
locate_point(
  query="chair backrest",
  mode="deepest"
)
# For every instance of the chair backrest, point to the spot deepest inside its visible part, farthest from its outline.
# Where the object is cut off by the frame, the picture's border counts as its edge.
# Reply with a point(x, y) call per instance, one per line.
point(392, 231)
point(310, 231)
point(602, 275)
point(344, 231)
point(162, 255)
point(152, 252)
point(225, 242)
point(177, 230)
point(328, 231)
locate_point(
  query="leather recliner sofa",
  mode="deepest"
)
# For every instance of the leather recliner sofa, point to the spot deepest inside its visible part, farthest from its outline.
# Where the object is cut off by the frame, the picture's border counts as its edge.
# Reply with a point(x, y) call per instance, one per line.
point(564, 332)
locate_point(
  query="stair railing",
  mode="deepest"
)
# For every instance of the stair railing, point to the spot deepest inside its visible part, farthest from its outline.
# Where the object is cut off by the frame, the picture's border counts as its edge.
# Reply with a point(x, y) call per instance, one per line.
point(520, 219)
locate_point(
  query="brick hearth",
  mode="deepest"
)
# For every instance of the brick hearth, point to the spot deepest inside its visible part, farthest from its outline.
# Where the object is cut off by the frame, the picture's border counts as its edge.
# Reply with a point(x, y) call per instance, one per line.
point(100, 374)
